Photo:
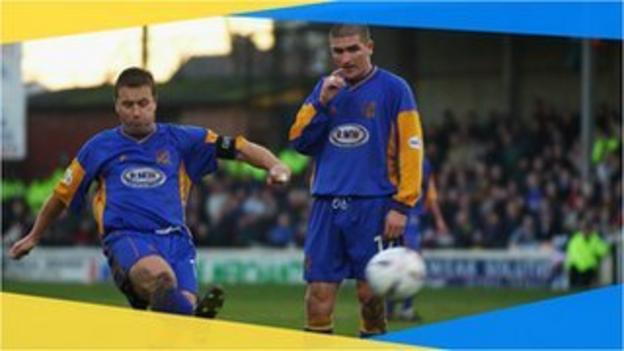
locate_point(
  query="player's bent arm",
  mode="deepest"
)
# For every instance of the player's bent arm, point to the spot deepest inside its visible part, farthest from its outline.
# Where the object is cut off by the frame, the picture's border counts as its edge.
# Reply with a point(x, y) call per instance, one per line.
point(51, 210)
point(259, 156)
point(309, 131)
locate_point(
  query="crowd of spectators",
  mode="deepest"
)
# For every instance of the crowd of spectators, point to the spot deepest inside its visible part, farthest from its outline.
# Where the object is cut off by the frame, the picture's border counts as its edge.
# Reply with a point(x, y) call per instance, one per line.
point(502, 182)
point(505, 182)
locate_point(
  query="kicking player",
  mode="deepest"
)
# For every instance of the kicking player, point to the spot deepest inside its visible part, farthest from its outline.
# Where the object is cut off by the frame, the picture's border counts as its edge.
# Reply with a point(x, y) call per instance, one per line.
point(361, 128)
point(425, 205)
point(144, 171)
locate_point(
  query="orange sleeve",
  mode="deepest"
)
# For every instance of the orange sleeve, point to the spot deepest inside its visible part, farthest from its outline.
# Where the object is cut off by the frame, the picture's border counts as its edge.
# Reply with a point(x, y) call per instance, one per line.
point(410, 158)
point(303, 118)
point(68, 185)
point(211, 137)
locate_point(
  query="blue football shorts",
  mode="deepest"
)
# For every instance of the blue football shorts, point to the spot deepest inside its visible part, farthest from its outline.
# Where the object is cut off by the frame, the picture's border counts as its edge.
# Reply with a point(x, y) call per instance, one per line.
point(344, 233)
point(411, 236)
point(124, 248)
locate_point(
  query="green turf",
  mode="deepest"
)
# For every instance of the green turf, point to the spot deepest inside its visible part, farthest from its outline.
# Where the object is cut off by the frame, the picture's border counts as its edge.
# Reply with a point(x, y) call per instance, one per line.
point(282, 306)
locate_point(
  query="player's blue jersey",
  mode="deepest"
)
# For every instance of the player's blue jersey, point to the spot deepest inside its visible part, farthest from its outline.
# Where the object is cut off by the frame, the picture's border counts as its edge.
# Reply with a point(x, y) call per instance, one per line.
point(366, 142)
point(420, 207)
point(142, 185)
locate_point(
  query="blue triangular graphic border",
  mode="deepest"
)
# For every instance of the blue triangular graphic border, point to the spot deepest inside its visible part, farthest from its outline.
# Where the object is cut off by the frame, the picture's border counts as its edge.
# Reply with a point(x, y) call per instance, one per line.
point(588, 320)
point(581, 19)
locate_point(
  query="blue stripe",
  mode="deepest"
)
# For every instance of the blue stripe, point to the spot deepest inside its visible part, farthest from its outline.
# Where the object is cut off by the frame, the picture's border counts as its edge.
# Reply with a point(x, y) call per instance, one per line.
point(587, 320)
point(562, 18)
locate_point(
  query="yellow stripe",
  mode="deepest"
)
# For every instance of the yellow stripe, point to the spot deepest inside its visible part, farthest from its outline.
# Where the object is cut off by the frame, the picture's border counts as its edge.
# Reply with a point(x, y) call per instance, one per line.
point(67, 187)
point(411, 150)
point(304, 117)
point(26, 20)
point(99, 204)
point(211, 137)
point(391, 158)
point(240, 142)
point(184, 184)
point(62, 324)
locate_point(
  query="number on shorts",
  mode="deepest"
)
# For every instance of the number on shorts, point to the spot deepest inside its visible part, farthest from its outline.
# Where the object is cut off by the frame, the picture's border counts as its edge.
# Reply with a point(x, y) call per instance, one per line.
point(380, 243)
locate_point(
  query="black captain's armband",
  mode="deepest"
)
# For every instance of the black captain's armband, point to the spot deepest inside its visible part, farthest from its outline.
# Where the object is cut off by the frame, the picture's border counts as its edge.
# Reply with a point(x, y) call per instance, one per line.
point(226, 147)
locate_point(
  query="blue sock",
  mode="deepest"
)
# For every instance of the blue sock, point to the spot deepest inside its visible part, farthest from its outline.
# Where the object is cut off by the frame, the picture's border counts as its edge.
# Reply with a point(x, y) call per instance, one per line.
point(389, 307)
point(171, 300)
point(407, 304)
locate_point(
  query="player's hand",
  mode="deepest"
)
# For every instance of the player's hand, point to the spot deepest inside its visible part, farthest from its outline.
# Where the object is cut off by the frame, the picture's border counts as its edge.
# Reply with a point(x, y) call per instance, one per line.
point(23, 246)
point(279, 174)
point(395, 225)
point(331, 86)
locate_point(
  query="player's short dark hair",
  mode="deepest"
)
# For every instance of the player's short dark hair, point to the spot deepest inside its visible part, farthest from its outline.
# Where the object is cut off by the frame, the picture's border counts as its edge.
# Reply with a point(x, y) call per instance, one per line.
point(347, 30)
point(135, 77)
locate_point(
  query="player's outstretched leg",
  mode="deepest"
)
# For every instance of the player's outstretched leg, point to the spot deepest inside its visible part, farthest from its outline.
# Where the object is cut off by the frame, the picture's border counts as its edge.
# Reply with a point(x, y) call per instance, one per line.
point(211, 303)
point(153, 280)
point(170, 299)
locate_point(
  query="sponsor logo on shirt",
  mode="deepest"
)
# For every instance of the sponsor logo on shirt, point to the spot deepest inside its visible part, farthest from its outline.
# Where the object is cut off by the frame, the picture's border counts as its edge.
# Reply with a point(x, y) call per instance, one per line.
point(142, 177)
point(349, 135)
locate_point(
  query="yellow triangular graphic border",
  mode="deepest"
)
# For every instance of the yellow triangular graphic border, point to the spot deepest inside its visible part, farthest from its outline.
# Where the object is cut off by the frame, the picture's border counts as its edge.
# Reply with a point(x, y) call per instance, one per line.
point(27, 20)
point(43, 323)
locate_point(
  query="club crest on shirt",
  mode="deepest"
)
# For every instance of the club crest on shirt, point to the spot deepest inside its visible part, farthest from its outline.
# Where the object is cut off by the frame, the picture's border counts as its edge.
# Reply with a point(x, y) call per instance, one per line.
point(369, 109)
point(162, 157)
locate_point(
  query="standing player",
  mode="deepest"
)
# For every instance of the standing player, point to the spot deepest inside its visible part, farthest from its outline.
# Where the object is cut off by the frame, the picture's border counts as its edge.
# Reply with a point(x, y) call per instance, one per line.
point(425, 205)
point(144, 171)
point(362, 129)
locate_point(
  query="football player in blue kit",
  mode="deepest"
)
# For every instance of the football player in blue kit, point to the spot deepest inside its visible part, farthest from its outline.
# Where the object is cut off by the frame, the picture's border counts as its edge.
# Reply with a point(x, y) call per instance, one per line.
point(144, 172)
point(362, 130)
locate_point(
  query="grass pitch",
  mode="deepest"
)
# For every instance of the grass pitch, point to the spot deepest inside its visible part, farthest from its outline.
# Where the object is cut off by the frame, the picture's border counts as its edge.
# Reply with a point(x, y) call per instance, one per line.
point(282, 305)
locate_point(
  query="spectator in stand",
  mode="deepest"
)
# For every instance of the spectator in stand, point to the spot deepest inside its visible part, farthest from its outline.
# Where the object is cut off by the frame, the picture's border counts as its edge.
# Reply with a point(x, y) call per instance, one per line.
point(523, 237)
point(583, 255)
point(282, 234)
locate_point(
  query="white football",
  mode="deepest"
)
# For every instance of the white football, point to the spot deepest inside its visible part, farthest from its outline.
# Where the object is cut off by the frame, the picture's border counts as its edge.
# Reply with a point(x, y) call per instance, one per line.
point(396, 273)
